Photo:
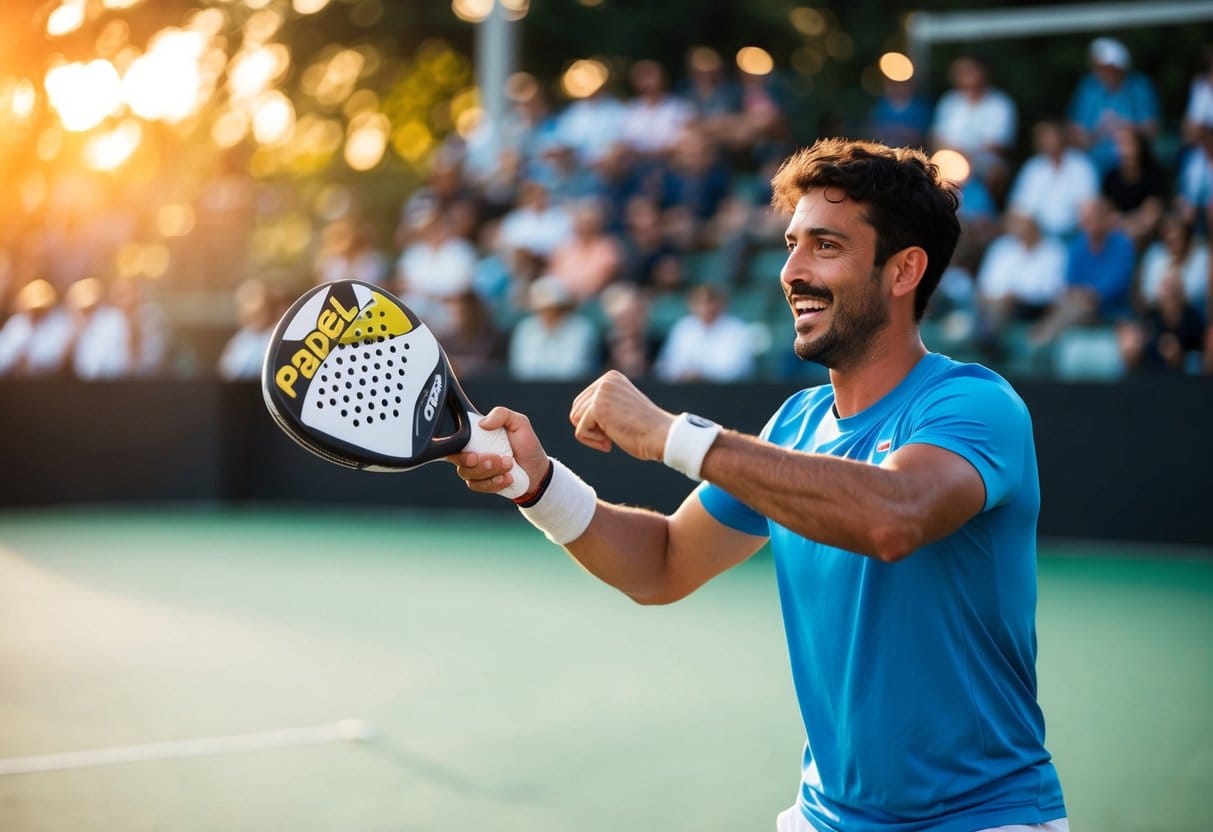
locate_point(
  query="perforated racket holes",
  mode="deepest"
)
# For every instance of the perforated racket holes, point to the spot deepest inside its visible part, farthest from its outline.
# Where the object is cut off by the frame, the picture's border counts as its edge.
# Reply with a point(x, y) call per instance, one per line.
point(371, 366)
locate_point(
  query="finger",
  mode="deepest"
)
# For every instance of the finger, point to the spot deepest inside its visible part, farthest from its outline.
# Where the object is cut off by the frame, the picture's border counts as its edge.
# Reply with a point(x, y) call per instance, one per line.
point(588, 433)
point(496, 418)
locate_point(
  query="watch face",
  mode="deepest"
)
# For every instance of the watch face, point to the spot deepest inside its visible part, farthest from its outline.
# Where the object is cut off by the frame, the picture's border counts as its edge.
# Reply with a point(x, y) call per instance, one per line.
point(699, 421)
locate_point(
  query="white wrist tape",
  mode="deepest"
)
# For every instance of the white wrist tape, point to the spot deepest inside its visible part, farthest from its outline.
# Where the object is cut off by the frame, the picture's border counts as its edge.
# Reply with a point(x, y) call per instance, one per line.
point(565, 509)
point(688, 442)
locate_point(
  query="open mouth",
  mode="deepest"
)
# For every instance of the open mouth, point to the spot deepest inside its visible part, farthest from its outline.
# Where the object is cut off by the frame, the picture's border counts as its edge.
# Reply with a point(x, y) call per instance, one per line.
point(807, 308)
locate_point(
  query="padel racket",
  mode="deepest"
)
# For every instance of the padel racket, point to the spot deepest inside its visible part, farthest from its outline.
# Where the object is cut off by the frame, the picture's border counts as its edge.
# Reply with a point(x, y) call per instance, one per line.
point(355, 377)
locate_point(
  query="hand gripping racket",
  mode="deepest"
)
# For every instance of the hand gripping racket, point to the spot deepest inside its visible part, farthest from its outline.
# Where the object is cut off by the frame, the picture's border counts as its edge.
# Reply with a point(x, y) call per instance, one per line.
point(355, 377)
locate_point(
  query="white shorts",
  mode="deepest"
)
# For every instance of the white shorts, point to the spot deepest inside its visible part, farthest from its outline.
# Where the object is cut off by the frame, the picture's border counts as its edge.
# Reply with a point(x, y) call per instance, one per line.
point(793, 820)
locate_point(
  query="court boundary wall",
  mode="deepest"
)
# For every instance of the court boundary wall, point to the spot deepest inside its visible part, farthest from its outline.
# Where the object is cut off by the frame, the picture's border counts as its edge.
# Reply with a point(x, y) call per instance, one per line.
point(1131, 461)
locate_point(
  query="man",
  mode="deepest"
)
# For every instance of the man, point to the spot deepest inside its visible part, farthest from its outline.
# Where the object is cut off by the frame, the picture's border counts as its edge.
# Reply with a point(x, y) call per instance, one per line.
point(1107, 97)
point(900, 501)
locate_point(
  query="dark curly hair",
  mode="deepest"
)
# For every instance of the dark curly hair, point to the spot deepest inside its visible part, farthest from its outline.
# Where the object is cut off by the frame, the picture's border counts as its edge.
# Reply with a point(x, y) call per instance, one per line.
point(900, 190)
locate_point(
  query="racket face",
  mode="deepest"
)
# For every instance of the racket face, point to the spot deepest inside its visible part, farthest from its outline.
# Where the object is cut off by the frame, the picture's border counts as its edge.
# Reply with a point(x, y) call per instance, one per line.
point(354, 376)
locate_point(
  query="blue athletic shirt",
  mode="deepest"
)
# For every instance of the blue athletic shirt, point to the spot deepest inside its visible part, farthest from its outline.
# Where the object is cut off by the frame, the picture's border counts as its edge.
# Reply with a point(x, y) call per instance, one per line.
point(916, 680)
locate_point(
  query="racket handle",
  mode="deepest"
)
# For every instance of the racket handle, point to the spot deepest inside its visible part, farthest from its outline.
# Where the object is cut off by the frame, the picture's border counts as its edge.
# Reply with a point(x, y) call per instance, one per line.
point(498, 442)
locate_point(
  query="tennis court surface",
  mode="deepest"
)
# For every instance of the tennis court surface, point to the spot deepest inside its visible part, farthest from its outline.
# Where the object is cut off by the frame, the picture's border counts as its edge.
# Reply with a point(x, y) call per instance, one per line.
point(337, 670)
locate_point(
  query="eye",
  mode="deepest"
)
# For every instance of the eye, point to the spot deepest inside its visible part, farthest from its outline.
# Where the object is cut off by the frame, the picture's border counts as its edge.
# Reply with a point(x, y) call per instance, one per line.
point(791, 246)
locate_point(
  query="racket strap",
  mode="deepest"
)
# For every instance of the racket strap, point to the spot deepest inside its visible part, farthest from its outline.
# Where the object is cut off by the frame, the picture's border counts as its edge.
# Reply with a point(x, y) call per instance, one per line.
point(564, 506)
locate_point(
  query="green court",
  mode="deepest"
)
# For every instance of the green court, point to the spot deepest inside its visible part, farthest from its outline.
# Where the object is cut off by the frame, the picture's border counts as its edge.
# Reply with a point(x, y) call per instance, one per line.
point(507, 689)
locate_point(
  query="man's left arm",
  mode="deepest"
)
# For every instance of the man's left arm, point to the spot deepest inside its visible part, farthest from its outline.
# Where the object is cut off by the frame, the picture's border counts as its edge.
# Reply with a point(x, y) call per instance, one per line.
point(921, 493)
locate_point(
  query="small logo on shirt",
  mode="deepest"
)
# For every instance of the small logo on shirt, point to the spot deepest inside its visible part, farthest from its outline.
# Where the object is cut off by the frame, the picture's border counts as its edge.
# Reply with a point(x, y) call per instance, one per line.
point(883, 445)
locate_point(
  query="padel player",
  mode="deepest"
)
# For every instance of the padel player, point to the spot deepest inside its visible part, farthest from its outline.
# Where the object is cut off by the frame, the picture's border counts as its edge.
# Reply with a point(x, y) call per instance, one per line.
point(900, 500)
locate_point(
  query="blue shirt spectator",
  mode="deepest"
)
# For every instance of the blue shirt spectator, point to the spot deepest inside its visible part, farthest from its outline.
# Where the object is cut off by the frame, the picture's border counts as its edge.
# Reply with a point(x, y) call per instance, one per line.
point(1107, 97)
point(1103, 263)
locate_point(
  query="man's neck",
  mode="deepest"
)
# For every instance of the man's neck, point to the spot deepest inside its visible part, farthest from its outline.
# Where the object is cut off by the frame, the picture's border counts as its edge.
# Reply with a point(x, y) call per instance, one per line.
point(859, 387)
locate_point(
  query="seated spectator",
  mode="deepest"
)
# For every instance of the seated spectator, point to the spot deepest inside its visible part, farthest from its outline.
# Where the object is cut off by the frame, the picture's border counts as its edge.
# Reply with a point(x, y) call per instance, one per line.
point(592, 124)
point(437, 265)
point(126, 337)
point(977, 119)
point(1099, 276)
point(591, 258)
point(258, 307)
point(1136, 186)
point(1194, 191)
point(536, 226)
point(472, 342)
point(615, 180)
point(527, 126)
point(654, 118)
point(1021, 274)
point(1054, 182)
point(36, 339)
point(348, 252)
point(554, 343)
point(901, 116)
point(1168, 335)
point(1110, 95)
point(101, 347)
point(1198, 111)
point(561, 172)
point(628, 344)
point(445, 190)
point(694, 185)
point(650, 260)
point(715, 99)
point(761, 129)
point(1176, 254)
point(708, 344)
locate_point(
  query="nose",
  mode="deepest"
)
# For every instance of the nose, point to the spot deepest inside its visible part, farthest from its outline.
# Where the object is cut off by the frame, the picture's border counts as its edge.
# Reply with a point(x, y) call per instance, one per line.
point(794, 269)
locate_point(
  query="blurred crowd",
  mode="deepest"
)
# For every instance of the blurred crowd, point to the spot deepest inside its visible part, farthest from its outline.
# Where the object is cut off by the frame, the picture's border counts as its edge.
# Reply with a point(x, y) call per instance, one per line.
point(634, 232)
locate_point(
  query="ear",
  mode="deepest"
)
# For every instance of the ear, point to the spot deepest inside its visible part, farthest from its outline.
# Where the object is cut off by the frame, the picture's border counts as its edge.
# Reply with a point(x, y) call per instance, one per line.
point(907, 268)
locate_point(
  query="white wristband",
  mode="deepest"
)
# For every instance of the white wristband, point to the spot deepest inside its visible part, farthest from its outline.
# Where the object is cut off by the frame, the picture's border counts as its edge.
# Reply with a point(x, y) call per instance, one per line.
point(688, 442)
point(565, 509)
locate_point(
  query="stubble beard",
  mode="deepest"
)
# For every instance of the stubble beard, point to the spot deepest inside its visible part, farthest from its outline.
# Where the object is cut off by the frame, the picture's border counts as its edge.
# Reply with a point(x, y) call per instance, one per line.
point(854, 326)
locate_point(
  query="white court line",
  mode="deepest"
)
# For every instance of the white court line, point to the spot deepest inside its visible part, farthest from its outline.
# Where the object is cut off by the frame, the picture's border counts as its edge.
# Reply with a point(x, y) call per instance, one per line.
point(346, 730)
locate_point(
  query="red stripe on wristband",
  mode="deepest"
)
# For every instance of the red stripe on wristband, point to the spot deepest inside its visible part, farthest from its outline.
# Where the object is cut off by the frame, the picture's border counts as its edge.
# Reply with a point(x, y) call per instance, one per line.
point(534, 495)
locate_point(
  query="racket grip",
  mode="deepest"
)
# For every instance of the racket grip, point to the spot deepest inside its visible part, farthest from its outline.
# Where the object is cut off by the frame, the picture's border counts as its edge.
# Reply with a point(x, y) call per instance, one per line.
point(498, 442)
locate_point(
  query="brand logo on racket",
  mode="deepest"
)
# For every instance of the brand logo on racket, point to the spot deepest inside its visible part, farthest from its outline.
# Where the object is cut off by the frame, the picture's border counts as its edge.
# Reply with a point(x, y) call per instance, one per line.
point(330, 323)
point(433, 399)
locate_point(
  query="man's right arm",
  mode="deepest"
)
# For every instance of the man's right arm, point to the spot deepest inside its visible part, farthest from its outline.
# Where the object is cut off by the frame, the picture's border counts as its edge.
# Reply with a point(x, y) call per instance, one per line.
point(658, 559)
point(651, 557)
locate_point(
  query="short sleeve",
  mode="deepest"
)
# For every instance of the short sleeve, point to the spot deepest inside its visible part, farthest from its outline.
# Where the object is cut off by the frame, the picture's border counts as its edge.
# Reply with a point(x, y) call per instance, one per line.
point(730, 511)
point(983, 421)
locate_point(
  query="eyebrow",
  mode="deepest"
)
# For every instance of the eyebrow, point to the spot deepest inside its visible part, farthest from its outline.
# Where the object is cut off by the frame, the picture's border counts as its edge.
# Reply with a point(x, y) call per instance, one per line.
point(819, 231)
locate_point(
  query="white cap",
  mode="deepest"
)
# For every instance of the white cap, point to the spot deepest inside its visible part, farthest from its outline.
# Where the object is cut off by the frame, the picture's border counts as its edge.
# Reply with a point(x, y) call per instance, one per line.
point(1109, 52)
point(548, 291)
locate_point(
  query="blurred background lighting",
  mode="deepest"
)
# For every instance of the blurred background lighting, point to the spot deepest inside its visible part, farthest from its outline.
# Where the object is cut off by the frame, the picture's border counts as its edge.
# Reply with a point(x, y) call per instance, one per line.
point(252, 71)
point(754, 60)
point(472, 11)
point(367, 141)
point(308, 6)
point(515, 9)
point(807, 21)
point(21, 98)
point(109, 150)
point(84, 94)
point(953, 166)
point(65, 19)
point(273, 118)
point(896, 66)
point(165, 83)
point(583, 78)
point(175, 219)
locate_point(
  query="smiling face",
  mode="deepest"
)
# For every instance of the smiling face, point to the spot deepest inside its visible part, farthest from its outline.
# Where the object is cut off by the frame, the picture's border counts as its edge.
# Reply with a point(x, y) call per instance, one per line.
point(834, 288)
